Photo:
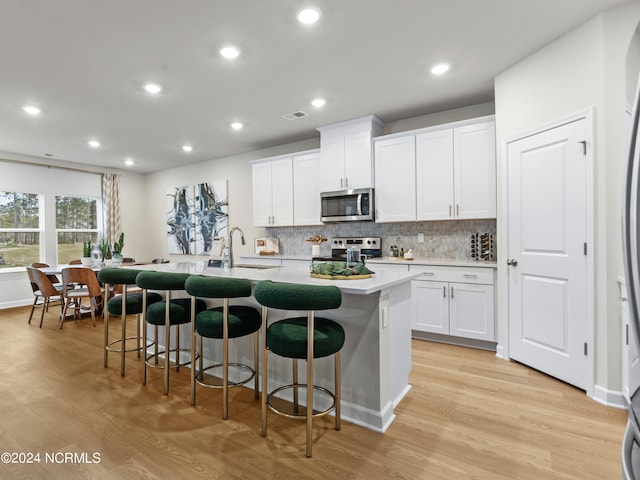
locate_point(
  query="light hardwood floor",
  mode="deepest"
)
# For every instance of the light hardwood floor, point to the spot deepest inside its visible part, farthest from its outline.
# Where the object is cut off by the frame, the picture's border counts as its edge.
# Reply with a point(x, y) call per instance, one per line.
point(469, 415)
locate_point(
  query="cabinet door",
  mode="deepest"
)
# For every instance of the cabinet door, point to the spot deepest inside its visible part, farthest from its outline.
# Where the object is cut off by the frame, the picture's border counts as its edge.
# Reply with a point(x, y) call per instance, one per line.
point(471, 311)
point(395, 185)
point(282, 192)
point(434, 175)
point(261, 182)
point(475, 171)
point(332, 164)
point(306, 189)
point(430, 307)
point(358, 161)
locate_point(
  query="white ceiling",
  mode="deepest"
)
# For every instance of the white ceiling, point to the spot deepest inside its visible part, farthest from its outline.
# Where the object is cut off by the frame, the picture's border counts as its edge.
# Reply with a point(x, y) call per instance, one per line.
point(83, 62)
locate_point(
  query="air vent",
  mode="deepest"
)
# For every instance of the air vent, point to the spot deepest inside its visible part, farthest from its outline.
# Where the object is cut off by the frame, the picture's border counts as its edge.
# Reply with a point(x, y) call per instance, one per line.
point(295, 115)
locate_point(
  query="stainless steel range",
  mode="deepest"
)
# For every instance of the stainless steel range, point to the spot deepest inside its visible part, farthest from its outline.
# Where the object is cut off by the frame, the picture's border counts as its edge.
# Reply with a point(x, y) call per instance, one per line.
point(367, 247)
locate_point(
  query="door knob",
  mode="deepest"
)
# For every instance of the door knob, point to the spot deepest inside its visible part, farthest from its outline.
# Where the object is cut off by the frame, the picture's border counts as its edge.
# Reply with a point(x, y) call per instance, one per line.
point(512, 262)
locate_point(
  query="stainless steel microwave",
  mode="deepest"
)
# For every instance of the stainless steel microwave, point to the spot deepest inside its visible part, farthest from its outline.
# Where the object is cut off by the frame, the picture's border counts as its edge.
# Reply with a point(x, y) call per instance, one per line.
point(347, 205)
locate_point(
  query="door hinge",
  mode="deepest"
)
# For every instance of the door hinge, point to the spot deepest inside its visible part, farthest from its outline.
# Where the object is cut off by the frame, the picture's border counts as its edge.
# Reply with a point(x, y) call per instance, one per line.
point(585, 348)
point(585, 248)
point(584, 146)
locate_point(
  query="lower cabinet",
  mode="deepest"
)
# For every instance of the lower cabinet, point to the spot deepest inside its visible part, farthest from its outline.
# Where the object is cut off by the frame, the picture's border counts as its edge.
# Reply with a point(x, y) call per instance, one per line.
point(455, 301)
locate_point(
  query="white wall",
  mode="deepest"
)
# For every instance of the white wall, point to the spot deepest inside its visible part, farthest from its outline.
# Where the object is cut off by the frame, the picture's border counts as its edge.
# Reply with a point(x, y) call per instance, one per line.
point(236, 170)
point(584, 68)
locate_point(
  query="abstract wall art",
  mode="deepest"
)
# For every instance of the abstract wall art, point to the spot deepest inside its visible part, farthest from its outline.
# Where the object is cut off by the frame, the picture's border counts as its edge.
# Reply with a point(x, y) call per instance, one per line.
point(196, 214)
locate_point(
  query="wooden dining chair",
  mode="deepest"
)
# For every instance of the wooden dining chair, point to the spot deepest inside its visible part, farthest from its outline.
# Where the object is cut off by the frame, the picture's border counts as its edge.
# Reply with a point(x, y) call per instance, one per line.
point(90, 288)
point(75, 262)
point(53, 278)
point(44, 292)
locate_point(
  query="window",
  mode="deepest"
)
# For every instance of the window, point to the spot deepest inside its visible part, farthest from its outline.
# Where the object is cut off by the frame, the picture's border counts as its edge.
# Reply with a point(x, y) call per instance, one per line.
point(19, 229)
point(76, 221)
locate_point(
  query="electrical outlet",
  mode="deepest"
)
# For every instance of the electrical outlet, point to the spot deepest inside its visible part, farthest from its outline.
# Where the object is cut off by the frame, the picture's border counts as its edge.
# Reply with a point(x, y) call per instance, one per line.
point(421, 238)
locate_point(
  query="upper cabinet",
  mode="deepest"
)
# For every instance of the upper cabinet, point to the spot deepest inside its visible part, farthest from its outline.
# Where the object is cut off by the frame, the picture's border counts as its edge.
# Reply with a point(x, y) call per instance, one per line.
point(306, 189)
point(441, 173)
point(395, 186)
point(286, 190)
point(346, 154)
point(273, 192)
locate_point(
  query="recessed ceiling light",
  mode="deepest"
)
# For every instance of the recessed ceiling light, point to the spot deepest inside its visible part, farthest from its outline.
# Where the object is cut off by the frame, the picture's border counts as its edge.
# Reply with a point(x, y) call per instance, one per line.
point(31, 110)
point(318, 102)
point(187, 148)
point(94, 143)
point(308, 16)
point(153, 88)
point(237, 125)
point(128, 162)
point(230, 52)
point(440, 69)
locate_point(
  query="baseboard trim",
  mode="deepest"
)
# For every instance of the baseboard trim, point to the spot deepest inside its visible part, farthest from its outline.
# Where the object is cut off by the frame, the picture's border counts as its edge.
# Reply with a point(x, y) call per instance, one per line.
point(609, 398)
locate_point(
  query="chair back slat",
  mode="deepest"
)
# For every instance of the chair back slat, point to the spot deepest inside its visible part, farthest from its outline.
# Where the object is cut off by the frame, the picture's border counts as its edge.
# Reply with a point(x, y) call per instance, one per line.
point(84, 276)
point(40, 280)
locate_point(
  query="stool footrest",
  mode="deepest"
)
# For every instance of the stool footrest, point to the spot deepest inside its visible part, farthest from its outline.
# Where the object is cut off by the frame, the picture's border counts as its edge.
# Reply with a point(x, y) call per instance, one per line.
point(200, 376)
point(302, 414)
point(109, 347)
point(171, 363)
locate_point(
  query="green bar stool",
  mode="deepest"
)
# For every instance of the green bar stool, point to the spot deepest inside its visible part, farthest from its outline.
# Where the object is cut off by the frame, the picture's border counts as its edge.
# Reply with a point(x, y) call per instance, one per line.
point(123, 303)
point(305, 338)
point(223, 323)
point(169, 313)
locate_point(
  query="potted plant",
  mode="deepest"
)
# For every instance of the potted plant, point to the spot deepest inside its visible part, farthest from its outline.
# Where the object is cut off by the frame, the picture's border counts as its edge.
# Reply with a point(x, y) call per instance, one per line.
point(117, 250)
point(86, 252)
point(315, 242)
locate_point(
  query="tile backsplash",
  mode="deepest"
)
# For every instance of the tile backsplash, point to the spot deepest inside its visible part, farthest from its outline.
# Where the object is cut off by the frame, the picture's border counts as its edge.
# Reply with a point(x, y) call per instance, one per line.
point(446, 240)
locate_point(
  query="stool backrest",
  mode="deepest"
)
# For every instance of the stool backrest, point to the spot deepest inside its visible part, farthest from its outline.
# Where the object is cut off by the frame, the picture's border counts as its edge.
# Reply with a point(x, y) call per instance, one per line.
point(217, 287)
point(118, 276)
point(152, 280)
point(289, 296)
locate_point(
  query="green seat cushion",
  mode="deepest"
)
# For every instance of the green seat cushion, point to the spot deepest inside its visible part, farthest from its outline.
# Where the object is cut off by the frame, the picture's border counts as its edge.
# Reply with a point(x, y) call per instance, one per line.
point(134, 303)
point(242, 320)
point(288, 338)
point(179, 311)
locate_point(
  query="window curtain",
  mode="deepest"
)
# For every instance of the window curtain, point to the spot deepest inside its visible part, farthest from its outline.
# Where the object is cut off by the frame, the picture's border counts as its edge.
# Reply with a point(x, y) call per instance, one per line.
point(111, 205)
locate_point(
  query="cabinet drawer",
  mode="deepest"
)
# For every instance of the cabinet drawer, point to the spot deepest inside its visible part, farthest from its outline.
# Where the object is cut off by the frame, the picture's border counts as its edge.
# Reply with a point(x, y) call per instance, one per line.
point(439, 273)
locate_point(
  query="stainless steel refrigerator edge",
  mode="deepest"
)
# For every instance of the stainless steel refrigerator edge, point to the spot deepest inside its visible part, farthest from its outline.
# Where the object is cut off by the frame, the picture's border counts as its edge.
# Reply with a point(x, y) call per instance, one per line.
point(631, 255)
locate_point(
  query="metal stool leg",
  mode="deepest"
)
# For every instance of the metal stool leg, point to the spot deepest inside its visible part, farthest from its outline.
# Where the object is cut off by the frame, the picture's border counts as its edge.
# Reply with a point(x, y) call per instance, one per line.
point(264, 372)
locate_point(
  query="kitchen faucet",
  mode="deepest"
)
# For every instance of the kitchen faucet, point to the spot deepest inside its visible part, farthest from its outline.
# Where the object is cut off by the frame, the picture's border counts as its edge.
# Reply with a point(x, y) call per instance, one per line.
point(231, 243)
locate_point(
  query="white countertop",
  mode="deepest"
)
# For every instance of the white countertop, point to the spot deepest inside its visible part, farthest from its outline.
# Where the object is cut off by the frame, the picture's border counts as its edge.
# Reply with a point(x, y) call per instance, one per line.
point(387, 260)
point(290, 274)
point(431, 261)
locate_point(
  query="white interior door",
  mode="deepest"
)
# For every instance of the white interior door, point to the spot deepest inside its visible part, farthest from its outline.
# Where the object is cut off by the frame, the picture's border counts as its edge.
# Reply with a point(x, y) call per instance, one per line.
point(547, 235)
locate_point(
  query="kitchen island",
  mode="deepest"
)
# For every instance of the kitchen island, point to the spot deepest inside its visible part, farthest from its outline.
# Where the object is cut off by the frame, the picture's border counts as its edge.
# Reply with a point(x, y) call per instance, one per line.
point(376, 357)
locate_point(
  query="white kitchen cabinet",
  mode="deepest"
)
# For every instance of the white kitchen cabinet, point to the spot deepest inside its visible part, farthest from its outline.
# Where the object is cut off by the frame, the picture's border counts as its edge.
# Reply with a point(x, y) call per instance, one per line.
point(272, 181)
point(395, 184)
point(346, 154)
point(456, 173)
point(455, 301)
point(438, 173)
point(306, 188)
point(434, 175)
